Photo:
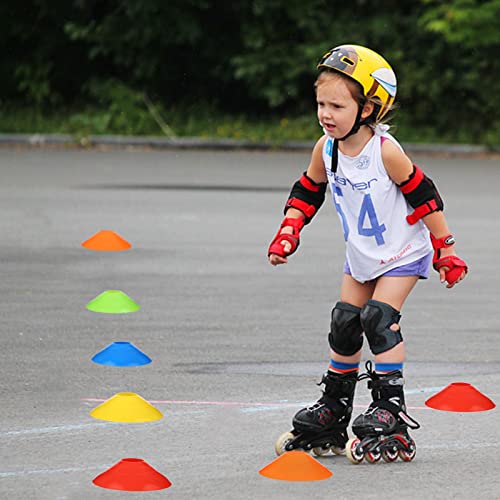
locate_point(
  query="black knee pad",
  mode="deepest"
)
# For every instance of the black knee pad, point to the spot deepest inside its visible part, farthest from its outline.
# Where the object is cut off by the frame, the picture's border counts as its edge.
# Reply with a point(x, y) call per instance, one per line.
point(346, 332)
point(376, 320)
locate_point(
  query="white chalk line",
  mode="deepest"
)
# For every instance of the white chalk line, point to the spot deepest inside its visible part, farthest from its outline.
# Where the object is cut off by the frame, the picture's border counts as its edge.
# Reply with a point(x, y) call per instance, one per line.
point(53, 471)
point(54, 429)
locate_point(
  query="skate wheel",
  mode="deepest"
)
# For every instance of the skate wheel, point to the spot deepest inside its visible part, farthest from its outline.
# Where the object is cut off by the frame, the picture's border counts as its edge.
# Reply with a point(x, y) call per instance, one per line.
point(337, 450)
point(407, 456)
point(372, 457)
point(352, 453)
point(390, 455)
point(319, 451)
point(282, 442)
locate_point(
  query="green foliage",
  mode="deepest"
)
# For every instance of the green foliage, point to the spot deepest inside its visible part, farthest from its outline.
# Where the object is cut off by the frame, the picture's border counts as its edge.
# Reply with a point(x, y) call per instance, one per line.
point(34, 82)
point(170, 49)
point(469, 31)
point(246, 58)
point(124, 111)
point(204, 121)
point(471, 23)
point(118, 109)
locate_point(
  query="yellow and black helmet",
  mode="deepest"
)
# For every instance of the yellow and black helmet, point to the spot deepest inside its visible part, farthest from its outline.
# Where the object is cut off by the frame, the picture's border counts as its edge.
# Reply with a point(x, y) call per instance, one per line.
point(369, 69)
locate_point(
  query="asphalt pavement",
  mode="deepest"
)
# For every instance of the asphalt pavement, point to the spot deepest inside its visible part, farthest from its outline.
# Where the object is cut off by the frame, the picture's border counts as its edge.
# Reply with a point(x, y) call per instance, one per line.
point(237, 345)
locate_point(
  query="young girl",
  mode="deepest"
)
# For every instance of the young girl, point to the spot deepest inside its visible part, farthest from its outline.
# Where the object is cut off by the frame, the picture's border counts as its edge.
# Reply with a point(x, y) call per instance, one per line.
point(393, 222)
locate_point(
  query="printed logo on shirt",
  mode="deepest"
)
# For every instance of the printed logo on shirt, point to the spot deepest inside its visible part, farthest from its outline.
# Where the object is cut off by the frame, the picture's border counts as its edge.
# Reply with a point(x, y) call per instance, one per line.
point(358, 186)
point(363, 162)
point(397, 256)
point(329, 147)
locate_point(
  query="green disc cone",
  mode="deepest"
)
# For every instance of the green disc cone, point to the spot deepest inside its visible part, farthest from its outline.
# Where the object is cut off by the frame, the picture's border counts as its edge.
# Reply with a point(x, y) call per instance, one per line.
point(113, 302)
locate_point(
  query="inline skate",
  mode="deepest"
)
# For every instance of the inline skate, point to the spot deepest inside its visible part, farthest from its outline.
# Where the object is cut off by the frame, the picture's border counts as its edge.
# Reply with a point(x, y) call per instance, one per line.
point(382, 430)
point(322, 427)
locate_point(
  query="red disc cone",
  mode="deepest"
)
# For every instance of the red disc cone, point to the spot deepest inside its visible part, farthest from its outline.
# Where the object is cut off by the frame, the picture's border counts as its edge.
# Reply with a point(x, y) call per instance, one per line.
point(132, 474)
point(460, 396)
point(296, 466)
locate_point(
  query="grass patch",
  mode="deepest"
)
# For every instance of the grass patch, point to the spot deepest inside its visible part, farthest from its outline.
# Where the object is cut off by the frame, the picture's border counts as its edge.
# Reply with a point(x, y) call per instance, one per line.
point(120, 110)
point(206, 122)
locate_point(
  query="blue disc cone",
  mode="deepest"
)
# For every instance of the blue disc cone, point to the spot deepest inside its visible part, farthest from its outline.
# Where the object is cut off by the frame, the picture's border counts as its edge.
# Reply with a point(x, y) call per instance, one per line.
point(121, 354)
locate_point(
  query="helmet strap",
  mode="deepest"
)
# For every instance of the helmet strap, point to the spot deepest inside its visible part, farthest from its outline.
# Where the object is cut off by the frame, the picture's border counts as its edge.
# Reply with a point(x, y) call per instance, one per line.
point(358, 122)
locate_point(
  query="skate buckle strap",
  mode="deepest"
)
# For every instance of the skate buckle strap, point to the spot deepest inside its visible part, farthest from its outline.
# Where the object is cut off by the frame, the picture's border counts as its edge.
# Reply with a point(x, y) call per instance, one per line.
point(378, 383)
point(338, 382)
point(316, 406)
point(396, 410)
point(409, 421)
point(386, 405)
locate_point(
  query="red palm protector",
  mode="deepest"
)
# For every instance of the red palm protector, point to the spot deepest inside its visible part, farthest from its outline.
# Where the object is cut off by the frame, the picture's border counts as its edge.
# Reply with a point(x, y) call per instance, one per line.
point(277, 247)
point(455, 265)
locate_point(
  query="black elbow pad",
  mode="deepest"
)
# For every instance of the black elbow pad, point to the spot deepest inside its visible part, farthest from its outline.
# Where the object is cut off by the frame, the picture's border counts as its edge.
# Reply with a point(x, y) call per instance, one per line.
point(306, 196)
point(421, 194)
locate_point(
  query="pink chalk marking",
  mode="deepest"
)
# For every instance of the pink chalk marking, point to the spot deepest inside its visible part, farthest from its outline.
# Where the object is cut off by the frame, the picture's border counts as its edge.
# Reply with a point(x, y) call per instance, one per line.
point(233, 403)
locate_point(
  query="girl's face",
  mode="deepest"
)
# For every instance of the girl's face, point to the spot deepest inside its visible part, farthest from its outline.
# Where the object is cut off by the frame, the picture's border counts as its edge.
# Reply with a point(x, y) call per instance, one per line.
point(337, 108)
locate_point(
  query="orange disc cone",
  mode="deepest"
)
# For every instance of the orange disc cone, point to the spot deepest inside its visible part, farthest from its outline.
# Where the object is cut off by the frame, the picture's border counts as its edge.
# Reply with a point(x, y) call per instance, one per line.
point(126, 407)
point(132, 474)
point(460, 396)
point(296, 466)
point(106, 241)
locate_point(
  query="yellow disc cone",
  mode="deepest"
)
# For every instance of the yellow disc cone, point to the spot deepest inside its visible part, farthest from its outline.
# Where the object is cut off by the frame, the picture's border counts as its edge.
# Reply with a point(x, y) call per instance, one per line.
point(126, 407)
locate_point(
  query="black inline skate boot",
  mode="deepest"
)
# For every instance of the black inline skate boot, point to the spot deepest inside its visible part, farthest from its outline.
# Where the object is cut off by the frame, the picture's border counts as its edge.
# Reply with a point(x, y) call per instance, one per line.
point(323, 426)
point(382, 430)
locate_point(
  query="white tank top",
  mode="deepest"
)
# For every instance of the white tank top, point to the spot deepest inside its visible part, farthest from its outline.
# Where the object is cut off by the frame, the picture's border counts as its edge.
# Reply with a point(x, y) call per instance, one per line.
point(373, 212)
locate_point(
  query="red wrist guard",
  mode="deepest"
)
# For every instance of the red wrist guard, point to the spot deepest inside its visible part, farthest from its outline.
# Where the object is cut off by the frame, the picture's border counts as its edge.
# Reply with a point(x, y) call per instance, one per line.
point(276, 245)
point(438, 243)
